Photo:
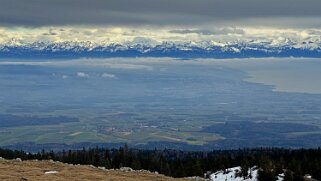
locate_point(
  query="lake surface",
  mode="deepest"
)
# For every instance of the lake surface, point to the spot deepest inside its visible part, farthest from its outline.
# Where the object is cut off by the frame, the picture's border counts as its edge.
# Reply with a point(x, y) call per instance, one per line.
point(286, 75)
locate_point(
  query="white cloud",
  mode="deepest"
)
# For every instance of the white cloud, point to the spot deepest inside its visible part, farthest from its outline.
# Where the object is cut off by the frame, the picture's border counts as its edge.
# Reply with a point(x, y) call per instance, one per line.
point(82, 75)
point(107, 75)
point(91, 37)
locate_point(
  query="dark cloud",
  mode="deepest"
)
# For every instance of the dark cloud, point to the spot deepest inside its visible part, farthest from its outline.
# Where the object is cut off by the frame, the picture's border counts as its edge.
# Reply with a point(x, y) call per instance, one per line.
point(154, 12)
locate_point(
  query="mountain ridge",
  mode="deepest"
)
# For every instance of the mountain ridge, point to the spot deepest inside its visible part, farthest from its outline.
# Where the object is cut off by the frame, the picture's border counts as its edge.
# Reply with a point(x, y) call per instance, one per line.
point(140, 48)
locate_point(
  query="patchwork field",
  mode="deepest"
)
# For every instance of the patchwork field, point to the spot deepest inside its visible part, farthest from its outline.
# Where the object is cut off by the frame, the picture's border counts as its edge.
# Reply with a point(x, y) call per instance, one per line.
point(190, 104)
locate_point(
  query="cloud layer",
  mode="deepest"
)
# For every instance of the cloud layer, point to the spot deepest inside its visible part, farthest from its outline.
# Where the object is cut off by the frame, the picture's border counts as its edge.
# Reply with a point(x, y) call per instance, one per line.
point(92, 23)
point(36, 13)
point(94, 36)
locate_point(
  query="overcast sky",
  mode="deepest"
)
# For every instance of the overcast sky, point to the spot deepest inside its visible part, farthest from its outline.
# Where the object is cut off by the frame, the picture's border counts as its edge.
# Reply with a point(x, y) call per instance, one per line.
point(108, 21)
point(161, 12)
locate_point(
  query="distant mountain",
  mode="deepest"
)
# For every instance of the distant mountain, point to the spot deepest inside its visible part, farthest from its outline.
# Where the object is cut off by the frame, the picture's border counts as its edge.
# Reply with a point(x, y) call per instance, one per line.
point(149, 48)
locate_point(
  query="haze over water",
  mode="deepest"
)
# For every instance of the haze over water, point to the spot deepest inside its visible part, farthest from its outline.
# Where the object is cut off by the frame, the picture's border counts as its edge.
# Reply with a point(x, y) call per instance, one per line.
point(299, 75)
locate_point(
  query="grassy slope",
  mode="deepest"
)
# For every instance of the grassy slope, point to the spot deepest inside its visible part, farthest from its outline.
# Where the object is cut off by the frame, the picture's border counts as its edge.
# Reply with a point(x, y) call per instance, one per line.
point(35, 170)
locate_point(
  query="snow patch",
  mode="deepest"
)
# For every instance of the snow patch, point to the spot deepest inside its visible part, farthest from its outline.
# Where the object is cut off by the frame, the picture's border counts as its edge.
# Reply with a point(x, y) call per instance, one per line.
point(51, 172)
point(230, 175)
point(126, 169)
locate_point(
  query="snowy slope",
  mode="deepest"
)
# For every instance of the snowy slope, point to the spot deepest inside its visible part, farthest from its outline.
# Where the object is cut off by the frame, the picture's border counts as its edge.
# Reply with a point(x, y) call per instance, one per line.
point(141, 47)
point(230, 175)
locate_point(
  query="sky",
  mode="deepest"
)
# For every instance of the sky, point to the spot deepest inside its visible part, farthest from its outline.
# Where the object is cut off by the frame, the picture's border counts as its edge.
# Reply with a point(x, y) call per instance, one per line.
point(154, 21)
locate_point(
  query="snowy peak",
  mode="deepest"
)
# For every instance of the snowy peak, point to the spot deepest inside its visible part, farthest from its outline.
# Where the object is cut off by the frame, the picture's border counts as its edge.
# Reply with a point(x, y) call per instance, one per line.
point(140, 47)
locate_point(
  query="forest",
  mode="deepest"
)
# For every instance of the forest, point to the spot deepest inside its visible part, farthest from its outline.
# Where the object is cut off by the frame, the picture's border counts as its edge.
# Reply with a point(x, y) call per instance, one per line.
point(293, 163)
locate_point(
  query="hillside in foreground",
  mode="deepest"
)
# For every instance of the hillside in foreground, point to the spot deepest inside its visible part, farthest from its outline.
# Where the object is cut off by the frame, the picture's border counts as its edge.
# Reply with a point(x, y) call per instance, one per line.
point(50, 170)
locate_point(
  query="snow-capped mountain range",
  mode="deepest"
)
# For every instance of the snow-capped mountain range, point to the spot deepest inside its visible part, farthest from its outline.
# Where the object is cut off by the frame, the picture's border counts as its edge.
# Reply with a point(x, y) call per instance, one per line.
point(149, 48)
